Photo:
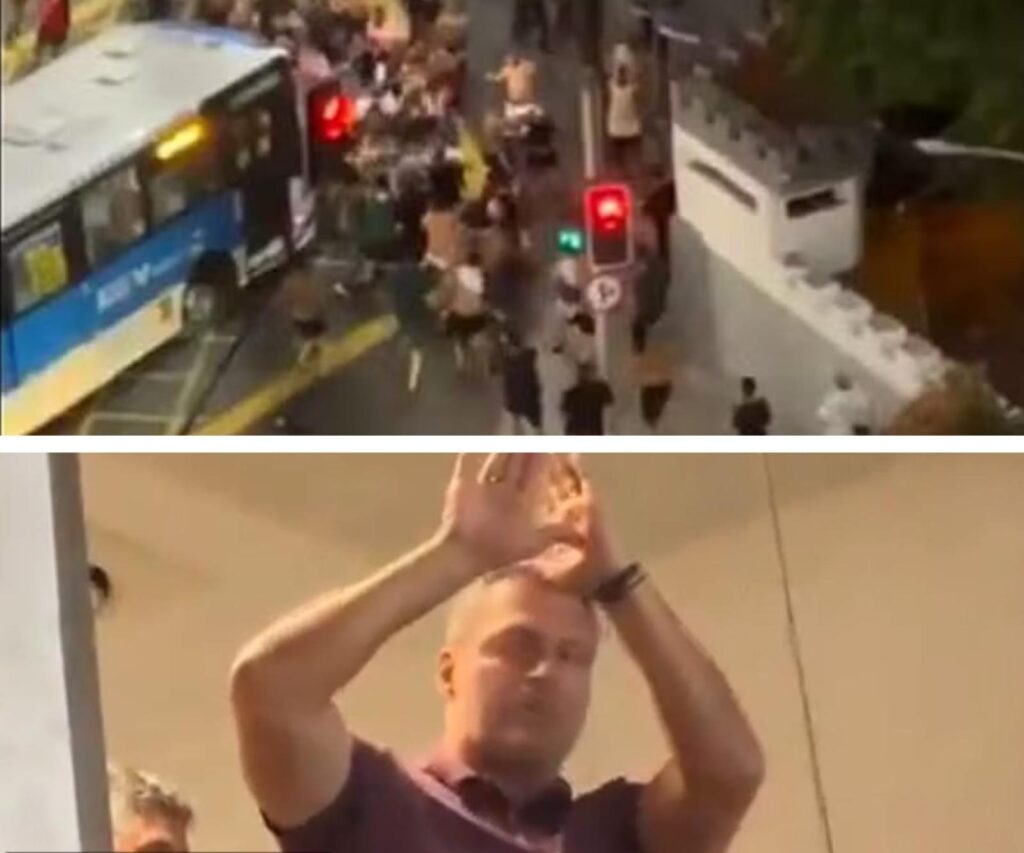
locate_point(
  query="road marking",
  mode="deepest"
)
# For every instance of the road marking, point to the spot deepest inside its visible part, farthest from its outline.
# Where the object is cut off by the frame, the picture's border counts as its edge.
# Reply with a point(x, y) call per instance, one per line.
point(130, 417)
point(292, 382)
point(187, 392)
point(155, 375)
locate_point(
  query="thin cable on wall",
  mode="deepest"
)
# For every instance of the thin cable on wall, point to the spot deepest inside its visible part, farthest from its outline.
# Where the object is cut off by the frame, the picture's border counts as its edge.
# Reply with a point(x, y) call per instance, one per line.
point(794, 645)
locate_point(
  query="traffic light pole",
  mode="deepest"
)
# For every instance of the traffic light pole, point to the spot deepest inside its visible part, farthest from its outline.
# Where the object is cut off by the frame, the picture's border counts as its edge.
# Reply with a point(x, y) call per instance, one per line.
point(590, 108)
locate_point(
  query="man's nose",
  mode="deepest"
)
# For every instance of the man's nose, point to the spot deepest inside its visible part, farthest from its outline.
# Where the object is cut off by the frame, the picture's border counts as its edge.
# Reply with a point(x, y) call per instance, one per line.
point(543, 665)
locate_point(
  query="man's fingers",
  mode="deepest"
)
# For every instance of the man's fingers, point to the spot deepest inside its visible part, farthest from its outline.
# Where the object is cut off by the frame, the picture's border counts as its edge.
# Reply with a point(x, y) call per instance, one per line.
point(495, 468)
point(461, 464)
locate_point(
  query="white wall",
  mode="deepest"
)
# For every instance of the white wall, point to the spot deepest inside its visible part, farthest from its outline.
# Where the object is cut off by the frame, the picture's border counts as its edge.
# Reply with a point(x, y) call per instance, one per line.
point(733, 327)
point(726, 224)
point(830, 240)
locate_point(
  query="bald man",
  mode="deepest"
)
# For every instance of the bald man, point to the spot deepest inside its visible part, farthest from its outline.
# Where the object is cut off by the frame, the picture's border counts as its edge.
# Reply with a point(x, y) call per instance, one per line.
point(523, 548)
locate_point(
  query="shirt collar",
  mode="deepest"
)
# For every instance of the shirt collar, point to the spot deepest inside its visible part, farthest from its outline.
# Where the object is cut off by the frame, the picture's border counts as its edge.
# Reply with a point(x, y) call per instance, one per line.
point(545, 812)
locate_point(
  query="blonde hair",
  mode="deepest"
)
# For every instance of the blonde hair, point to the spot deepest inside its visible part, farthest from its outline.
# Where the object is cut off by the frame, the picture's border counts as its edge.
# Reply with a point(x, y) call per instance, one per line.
point(466, 602)
point(135, 794)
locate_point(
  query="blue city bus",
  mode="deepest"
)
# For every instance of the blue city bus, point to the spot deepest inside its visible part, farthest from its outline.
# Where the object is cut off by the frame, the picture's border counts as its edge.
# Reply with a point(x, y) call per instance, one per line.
point(149, 175)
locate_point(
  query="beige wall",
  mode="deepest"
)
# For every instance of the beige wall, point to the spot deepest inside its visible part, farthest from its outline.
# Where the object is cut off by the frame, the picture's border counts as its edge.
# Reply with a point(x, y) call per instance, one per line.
point(907, 579)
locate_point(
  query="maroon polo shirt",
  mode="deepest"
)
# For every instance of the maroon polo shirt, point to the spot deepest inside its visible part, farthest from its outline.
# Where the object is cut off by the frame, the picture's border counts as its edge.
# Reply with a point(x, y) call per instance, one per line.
point(438, 806)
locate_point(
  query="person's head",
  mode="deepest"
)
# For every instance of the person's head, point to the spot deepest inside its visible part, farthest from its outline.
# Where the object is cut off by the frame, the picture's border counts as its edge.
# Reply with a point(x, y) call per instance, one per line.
point(146, 815)
point(514, 58)
point(515, 672)
point(381, 184)
point(585, 323)
point(843, 382)
point(748, 385)
point(621, 75)
point(473, 258)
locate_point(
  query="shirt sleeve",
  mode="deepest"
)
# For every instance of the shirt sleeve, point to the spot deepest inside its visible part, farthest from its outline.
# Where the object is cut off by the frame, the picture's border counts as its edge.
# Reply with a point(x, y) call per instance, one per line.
point(372, 771)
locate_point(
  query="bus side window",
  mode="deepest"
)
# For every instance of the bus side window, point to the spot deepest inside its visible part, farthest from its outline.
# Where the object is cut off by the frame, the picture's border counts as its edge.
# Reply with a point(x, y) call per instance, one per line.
point(39, 266)
point(181, 183)
point(113, 215)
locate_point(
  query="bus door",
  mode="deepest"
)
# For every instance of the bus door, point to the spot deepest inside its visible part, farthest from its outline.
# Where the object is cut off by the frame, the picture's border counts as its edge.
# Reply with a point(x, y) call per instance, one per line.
point(263, 153)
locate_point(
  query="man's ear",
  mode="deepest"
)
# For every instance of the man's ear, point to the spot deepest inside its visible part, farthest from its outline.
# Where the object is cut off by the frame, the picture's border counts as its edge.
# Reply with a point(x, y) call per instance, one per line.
point(446, 673)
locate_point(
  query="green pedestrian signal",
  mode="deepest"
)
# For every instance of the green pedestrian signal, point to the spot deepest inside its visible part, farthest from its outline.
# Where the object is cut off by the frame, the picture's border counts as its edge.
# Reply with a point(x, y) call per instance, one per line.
point(570, 241)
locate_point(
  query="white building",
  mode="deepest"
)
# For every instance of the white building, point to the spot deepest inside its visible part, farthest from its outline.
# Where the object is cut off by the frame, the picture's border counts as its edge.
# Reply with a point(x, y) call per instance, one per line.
point(770, 231)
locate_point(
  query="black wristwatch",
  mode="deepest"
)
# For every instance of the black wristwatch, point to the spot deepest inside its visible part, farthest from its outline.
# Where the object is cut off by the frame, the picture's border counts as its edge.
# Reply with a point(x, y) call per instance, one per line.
point(616, 587)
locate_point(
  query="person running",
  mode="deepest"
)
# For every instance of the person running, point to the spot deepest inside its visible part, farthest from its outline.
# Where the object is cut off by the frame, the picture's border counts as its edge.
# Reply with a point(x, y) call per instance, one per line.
point(518, 75)
point(444, 235)
point(466, 312)
point(307, 302)
point(584, 404)
point(377, 225)
point(752, 415)
point(410, 285)
point(520, 381)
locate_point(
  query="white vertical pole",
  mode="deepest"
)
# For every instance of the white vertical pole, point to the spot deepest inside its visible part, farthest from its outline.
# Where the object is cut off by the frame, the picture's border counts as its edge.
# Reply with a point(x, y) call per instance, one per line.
point(53, 786)
point(590, 137)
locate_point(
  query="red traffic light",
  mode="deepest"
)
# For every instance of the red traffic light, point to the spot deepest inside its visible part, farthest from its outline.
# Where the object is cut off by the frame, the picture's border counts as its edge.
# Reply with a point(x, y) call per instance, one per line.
point(333, 115)
point(609, 215)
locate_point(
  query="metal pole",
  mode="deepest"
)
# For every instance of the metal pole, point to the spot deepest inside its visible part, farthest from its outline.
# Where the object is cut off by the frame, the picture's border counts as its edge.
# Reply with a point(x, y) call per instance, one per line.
point(51, 747)
point(589, 110)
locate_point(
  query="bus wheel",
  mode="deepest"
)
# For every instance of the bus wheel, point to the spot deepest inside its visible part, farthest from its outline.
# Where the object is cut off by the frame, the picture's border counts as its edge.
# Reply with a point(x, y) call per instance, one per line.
point(208, 294)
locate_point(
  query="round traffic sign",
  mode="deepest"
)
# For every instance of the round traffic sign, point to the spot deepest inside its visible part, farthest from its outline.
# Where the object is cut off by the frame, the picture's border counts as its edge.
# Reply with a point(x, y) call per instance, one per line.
point(604, 293)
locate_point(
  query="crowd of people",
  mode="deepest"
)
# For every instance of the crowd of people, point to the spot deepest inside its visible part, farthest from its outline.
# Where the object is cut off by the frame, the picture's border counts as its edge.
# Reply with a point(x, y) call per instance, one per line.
point(450, 259)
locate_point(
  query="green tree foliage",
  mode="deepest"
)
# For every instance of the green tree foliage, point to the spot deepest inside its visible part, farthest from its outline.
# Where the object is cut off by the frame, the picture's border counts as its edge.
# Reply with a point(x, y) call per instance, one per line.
point(968, 54)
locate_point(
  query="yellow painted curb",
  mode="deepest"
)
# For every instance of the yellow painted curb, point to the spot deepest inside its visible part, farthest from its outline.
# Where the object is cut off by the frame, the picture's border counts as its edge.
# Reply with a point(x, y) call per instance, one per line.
point(290, 383)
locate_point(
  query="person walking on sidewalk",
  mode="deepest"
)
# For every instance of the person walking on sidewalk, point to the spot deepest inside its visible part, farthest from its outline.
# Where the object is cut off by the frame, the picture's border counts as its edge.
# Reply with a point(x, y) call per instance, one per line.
point(654, 374)
point(584, 404)
point(752, 415)
point(525, 552)
point(846, 409)
point(651, 295)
